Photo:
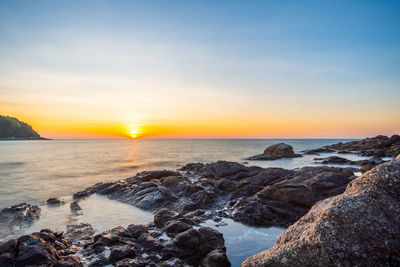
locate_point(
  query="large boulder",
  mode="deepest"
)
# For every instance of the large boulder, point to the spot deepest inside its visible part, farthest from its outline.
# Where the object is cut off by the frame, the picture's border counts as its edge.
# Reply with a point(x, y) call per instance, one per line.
point(276, 151)
point(360, 227)
point(281, 150)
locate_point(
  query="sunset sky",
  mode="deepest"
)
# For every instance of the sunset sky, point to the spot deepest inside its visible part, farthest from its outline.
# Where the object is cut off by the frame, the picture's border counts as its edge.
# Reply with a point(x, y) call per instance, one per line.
point(201, 69)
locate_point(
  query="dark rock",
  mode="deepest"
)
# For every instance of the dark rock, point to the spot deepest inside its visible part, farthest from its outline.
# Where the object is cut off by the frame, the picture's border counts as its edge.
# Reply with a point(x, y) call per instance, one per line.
point(123, 252)
point(74, 206)
point(18, 216)
point(262, 157)
point(82, 231)
point(276, 151)
point(54, 202)
point(138, 246)
point(216, 258)
point(381, 146)
point(162, 216)
point(357, 228)
point(175, 227)
point(136, 230)
point(317, 151)
point(281, 150)
point(38, 249)
point(171, 181)
point(333, 160)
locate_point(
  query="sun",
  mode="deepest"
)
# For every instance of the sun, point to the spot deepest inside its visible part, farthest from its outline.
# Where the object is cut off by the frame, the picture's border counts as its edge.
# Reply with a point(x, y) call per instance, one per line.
point(134, 133)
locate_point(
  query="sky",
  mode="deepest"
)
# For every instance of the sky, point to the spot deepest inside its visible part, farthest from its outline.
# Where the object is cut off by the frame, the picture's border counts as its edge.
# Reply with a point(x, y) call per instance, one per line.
point(201, 69)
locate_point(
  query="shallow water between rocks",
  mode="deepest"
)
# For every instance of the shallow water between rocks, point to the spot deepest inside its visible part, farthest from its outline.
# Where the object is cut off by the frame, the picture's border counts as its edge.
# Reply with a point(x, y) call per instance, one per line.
point(103, 214)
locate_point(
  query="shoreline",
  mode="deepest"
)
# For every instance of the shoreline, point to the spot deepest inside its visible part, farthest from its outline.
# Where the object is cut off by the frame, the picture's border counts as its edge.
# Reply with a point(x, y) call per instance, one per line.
point(211, 192)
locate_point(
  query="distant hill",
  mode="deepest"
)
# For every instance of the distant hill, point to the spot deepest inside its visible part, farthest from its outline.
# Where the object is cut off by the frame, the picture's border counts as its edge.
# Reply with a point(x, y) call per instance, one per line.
point(14, 129)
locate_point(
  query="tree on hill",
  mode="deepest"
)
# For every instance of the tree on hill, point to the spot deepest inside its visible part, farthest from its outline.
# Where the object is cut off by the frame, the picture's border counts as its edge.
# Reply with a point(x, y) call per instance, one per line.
point(13, 128)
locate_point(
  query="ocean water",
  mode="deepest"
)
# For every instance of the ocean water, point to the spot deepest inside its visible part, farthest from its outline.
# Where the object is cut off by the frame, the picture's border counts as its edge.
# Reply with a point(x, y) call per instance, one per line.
point(33, 171)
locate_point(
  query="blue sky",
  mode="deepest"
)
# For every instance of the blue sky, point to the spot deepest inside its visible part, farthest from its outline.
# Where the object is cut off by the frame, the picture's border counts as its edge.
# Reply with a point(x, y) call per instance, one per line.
point(207, 60)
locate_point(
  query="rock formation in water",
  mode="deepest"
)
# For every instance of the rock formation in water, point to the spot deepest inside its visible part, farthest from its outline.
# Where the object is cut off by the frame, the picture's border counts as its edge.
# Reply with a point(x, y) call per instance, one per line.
point(360, 227)
point(380, 146)
point(12, 128)
point(252, 195)
point(16, 217)
point(276, 151)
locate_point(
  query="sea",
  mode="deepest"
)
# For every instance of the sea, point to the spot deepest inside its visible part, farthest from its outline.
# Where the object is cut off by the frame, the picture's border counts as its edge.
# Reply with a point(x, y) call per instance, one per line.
point(35, 170)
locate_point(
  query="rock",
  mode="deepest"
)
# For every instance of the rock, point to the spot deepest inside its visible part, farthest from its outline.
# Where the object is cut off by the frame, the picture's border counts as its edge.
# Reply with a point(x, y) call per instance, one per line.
point(317, 151)
point(162, 216)
point(281, 150)
point(276, 151)
point(175, 227)
point(17, 216)
point(262, 157)
point(82, 231)
point(74, 206)
point(216, 258)
point(251, 195)
point(54, 202)
point(381, 146)
point(38, 249)
point(137, 245)
point(357, 228)
point(171, 181)
point(333, 160)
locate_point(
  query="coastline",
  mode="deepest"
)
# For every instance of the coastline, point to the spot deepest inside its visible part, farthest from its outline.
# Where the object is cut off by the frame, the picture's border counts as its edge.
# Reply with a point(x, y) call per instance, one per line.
point(211, 192)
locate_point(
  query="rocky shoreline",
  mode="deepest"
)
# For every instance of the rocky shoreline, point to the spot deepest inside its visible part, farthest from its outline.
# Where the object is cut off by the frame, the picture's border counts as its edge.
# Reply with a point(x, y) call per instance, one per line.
point(191, 195)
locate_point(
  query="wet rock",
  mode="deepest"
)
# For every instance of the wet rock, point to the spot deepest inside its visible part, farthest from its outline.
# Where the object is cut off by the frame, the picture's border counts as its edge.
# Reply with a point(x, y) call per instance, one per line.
point(333, 160)
point(216, 258)
point(252, 195)
point(263, 157)
point(171, 181)
point(54, 202)
point(82, 231)
point(17, 216)
point(45, 248)
point(137, 245)
point(175, 227)
point(357, 228)
point(162, 216)
point(316, 151)
point(74, 206)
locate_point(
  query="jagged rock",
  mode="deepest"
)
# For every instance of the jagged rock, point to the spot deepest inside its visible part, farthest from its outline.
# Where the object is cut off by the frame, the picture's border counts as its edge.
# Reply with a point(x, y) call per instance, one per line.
point(74, 206)
point(139, 245)
point(357, 228)
point(54, 202)
point(17, 216)
point(381, 146)
point(45, 248)
point(317, 151)
point(252, 195)
point(333, 160)
point(82, 231)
